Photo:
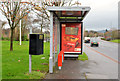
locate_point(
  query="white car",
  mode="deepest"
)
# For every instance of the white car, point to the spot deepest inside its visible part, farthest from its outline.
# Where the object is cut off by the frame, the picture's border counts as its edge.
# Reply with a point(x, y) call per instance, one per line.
point(87, 39)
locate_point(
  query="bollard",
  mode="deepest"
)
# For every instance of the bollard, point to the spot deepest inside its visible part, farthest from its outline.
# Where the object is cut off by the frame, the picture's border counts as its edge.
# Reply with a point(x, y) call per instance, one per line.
point(60, 60)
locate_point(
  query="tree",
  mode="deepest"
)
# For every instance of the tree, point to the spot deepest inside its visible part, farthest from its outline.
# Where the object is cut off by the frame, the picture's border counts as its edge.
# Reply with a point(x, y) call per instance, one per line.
point(11, 10)
point(24, 29)
point(86, 34)
point(24, 23)
point(42, 14)
point(3, 23)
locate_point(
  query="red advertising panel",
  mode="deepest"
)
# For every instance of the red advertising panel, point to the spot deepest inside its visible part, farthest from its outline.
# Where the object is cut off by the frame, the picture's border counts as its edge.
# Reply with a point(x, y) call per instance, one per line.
point(71, 37)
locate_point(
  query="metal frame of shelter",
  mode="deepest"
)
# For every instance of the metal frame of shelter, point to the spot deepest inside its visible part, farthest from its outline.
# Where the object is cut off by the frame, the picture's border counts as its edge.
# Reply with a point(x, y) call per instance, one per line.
point(59, 15)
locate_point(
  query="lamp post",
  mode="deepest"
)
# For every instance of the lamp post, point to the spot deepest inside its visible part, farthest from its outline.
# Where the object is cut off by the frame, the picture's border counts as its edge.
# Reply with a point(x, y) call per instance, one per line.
point(20, 26)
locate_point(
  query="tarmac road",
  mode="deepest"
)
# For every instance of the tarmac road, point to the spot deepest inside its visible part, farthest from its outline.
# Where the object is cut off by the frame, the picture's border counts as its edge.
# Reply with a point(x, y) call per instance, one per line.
point(108, 48)
point(106, 58)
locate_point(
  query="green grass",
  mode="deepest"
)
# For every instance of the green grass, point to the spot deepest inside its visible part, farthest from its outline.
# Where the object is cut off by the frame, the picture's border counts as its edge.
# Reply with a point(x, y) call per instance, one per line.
point(116, 41)
point(0, 61)
point(83, 57)
point(13, 69)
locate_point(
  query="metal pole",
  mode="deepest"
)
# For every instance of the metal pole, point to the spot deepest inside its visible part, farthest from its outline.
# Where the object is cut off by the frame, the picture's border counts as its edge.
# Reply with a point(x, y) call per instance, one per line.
point(20, 29)
point(54, 32)
point(59, 33)
point(51, 44)
point(30, 56)
point(30, 63)
point(82, 28)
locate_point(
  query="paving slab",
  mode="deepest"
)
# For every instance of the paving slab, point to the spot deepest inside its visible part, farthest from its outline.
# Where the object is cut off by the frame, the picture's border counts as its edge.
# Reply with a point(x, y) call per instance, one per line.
point(71, 69)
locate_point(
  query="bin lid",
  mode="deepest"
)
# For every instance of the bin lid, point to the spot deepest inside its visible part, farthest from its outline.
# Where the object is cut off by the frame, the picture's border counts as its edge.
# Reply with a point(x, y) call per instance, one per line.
point(70, 13)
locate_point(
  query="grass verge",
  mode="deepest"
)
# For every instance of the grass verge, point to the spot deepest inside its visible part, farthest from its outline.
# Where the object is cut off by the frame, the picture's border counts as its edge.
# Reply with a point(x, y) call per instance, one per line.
point(15, 64)
point(116, 41)
point(83, 57)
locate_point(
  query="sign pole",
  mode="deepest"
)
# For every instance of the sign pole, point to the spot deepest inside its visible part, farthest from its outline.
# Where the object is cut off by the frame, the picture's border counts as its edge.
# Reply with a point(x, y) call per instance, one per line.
point(30, 56)
point(30, 62)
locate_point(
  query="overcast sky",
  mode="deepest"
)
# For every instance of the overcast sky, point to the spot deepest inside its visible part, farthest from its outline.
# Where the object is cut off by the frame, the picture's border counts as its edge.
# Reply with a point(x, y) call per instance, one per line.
point(103, 14)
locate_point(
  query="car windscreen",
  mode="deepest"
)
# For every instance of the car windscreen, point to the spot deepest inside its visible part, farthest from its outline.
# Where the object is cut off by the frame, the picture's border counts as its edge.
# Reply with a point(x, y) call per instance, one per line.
point(94, 39)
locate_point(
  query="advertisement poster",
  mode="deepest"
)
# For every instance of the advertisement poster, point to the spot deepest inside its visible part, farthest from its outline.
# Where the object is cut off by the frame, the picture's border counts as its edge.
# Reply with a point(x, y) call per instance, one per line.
point(71, 37)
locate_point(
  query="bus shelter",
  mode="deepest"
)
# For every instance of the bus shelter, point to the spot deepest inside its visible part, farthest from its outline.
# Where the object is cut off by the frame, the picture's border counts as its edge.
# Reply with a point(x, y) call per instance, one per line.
point(66, 32)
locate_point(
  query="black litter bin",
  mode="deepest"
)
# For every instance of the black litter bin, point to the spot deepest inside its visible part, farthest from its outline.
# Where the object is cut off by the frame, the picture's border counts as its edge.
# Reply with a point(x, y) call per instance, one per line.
point(36, 42)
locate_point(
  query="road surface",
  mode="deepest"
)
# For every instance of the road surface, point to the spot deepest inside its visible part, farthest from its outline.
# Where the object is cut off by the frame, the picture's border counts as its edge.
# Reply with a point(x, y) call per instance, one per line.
point(108, 48)
point(105, 58)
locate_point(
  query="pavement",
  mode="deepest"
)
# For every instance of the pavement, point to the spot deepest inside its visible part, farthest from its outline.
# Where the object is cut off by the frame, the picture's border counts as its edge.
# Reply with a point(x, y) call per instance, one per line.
point(102, 63)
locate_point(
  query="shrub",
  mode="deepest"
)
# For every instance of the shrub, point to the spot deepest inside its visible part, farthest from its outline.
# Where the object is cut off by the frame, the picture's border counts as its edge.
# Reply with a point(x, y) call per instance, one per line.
point(5, 38)
point(2, 38)
point(24, 38)
point(103, 39)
